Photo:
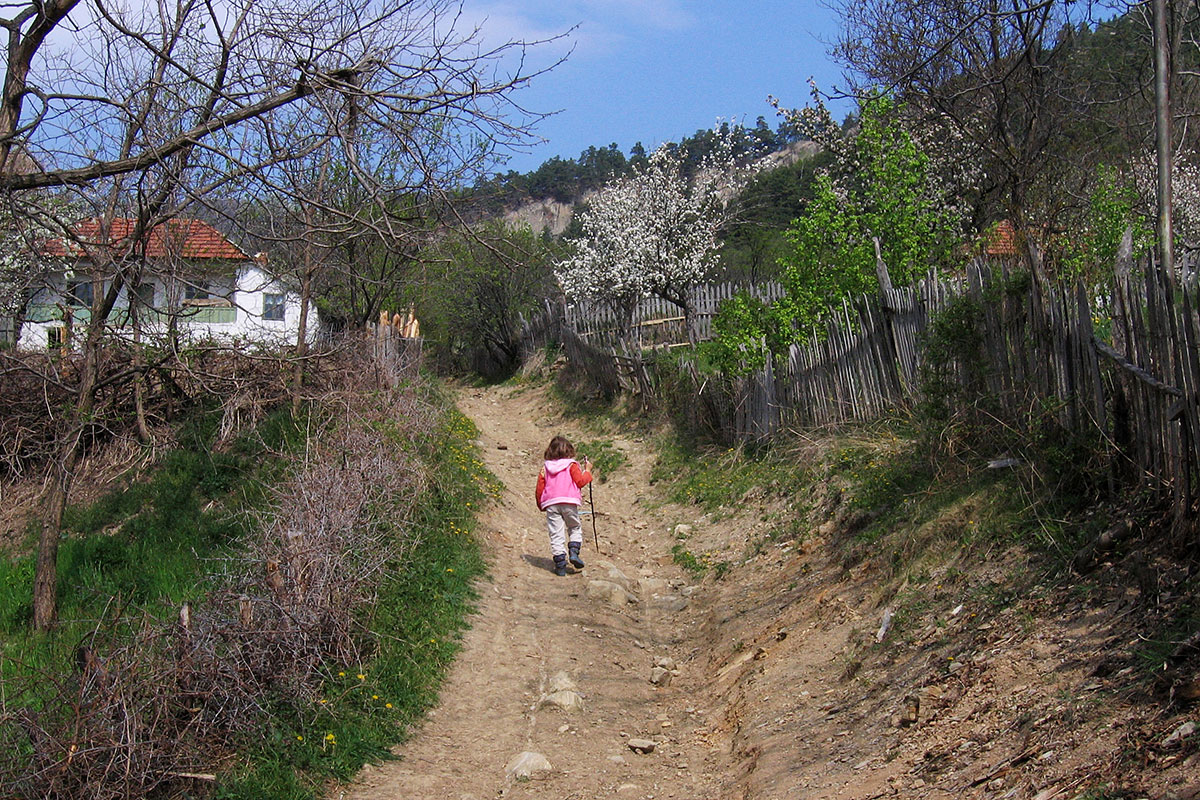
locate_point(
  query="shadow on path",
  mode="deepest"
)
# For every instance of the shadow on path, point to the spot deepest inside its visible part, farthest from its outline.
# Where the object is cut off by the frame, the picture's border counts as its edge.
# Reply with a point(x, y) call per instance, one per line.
point(541, 562)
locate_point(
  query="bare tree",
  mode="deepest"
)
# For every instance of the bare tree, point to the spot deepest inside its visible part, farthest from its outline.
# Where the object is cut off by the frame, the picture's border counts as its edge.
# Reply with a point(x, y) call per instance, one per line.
point(138, 113)
point(1013, 86)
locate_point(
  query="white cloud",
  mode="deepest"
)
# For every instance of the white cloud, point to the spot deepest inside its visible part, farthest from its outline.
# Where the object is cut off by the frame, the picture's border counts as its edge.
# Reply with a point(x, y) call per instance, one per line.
point(504, 21)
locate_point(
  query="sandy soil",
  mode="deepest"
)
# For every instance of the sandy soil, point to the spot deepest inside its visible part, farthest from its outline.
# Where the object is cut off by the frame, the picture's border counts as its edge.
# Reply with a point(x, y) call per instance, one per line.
point(781, 690)
point(532, 625)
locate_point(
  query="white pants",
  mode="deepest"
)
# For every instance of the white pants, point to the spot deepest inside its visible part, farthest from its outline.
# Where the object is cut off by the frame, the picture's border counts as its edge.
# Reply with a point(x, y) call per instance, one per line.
point(562, 521)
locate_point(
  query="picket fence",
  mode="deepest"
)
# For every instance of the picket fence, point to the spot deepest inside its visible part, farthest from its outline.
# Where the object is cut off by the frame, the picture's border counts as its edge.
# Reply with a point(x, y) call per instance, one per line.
point(657, 322)
point(1031, 344)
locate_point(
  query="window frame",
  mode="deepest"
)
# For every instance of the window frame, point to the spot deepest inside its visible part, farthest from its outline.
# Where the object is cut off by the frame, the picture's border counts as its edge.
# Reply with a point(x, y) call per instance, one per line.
point(274, 308)
point(72, 294)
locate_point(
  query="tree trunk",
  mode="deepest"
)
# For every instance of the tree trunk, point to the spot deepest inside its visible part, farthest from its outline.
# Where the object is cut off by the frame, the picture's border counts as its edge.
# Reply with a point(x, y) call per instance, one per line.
point(301, 334)
point(45, 577)
point(139, 380)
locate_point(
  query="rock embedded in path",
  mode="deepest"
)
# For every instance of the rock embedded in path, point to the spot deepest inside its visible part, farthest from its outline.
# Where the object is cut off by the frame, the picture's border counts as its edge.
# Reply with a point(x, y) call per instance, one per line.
point(651, 585)
point(614, 574)
point(562, 681)
point(667, 603)
point(660, 676)
point(642, 746)
point(910, 712)
point(612, 593)
point(567, 699)
point(524, 765)
point(1184, 731)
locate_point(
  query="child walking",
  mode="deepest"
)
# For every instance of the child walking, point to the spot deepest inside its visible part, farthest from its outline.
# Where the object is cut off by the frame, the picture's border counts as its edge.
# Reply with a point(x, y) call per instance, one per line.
point(558, 494)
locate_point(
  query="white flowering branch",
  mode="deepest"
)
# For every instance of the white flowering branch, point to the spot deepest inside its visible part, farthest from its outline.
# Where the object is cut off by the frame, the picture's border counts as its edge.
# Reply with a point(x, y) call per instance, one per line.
point(655, 232)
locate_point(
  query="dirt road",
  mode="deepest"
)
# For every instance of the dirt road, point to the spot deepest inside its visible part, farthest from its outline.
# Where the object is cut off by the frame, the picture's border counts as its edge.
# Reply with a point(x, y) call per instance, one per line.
point(786, 684)
point(536, 632)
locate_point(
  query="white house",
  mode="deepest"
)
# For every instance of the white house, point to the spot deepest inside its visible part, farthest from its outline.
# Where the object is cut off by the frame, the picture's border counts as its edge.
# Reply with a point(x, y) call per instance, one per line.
point(193, 280)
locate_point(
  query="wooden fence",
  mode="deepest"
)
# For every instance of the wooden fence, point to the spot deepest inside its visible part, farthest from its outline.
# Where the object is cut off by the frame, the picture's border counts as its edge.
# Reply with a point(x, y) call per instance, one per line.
point(1023, 343)
point(657, 322)
point(396, 356)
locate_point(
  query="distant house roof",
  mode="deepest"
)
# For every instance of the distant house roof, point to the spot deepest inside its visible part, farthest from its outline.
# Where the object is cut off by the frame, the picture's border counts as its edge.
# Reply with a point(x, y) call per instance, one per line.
point(190, 239)
point(1001, 240)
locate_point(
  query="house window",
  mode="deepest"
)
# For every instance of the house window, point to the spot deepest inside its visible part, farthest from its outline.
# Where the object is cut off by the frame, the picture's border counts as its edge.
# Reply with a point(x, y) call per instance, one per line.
point(56, 337)
point(203, 293)
point(197, 291)
point(79, 293)
point(144, 294)
point(273, 307)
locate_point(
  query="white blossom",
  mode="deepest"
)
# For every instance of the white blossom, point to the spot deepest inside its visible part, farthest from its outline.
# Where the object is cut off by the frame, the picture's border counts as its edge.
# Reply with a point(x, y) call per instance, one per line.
point(654, 232)
point(1185, 194)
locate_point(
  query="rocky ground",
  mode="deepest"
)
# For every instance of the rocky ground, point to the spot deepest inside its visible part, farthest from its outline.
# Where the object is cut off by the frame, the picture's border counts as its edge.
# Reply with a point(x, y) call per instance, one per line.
point(787, 677)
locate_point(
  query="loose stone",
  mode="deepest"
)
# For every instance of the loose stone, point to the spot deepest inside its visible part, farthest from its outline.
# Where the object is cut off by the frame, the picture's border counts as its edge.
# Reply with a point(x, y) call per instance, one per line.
point(567, 700)
point(524, 765)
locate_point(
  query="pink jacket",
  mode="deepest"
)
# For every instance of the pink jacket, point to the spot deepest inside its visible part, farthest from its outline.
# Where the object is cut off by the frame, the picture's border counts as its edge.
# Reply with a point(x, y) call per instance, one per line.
point(560, 482)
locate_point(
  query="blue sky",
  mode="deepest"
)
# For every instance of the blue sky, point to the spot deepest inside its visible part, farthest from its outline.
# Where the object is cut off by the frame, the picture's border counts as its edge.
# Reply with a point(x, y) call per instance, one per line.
point(658, 70)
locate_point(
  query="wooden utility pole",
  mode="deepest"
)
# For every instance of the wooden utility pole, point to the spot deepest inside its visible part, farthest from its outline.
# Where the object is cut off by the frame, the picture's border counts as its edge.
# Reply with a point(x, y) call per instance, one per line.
point(1162, 116)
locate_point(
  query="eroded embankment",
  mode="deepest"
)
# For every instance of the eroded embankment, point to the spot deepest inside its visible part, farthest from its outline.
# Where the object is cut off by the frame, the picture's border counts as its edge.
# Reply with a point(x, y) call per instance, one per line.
point(772, 675)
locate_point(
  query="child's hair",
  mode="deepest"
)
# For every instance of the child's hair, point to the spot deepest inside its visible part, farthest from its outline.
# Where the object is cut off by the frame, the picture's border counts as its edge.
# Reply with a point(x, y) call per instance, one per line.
point(558, 448)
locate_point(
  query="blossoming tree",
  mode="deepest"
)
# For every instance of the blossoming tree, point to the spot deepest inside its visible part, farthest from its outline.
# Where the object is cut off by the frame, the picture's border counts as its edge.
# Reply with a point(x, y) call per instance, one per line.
point(881, 199)
point(655, 232)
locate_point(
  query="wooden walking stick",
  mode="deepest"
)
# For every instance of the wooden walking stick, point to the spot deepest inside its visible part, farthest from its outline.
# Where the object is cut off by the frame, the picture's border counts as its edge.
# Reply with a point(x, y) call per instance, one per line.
point(592, 503)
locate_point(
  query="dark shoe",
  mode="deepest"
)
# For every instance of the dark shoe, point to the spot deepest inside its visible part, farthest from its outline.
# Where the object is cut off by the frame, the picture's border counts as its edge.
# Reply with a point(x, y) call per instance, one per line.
point(560, 566)
point(576, 561)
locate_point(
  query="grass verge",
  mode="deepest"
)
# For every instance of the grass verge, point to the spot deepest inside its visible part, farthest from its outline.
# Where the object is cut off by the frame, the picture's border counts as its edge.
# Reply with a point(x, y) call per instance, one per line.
point(870, 491)
point(136, 555)
point(419, 619)
point(142, 546)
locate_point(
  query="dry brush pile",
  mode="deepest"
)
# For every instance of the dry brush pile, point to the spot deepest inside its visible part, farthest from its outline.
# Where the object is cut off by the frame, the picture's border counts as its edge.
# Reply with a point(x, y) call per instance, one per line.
point(153, 703)
point(38, 390)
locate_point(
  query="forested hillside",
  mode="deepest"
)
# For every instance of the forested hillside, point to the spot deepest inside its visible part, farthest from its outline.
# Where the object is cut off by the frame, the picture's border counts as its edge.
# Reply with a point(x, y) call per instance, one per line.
point(1042, 126)
point(568, 179)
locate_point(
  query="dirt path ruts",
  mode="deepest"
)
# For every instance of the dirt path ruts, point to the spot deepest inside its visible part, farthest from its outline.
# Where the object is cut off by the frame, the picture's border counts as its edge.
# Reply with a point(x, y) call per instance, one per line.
point(532, 625)
point(780, 693)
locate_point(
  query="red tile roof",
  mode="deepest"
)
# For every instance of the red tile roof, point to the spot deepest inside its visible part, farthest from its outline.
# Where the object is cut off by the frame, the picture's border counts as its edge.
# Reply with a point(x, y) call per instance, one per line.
point(180, 238)
point(1001, 240)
